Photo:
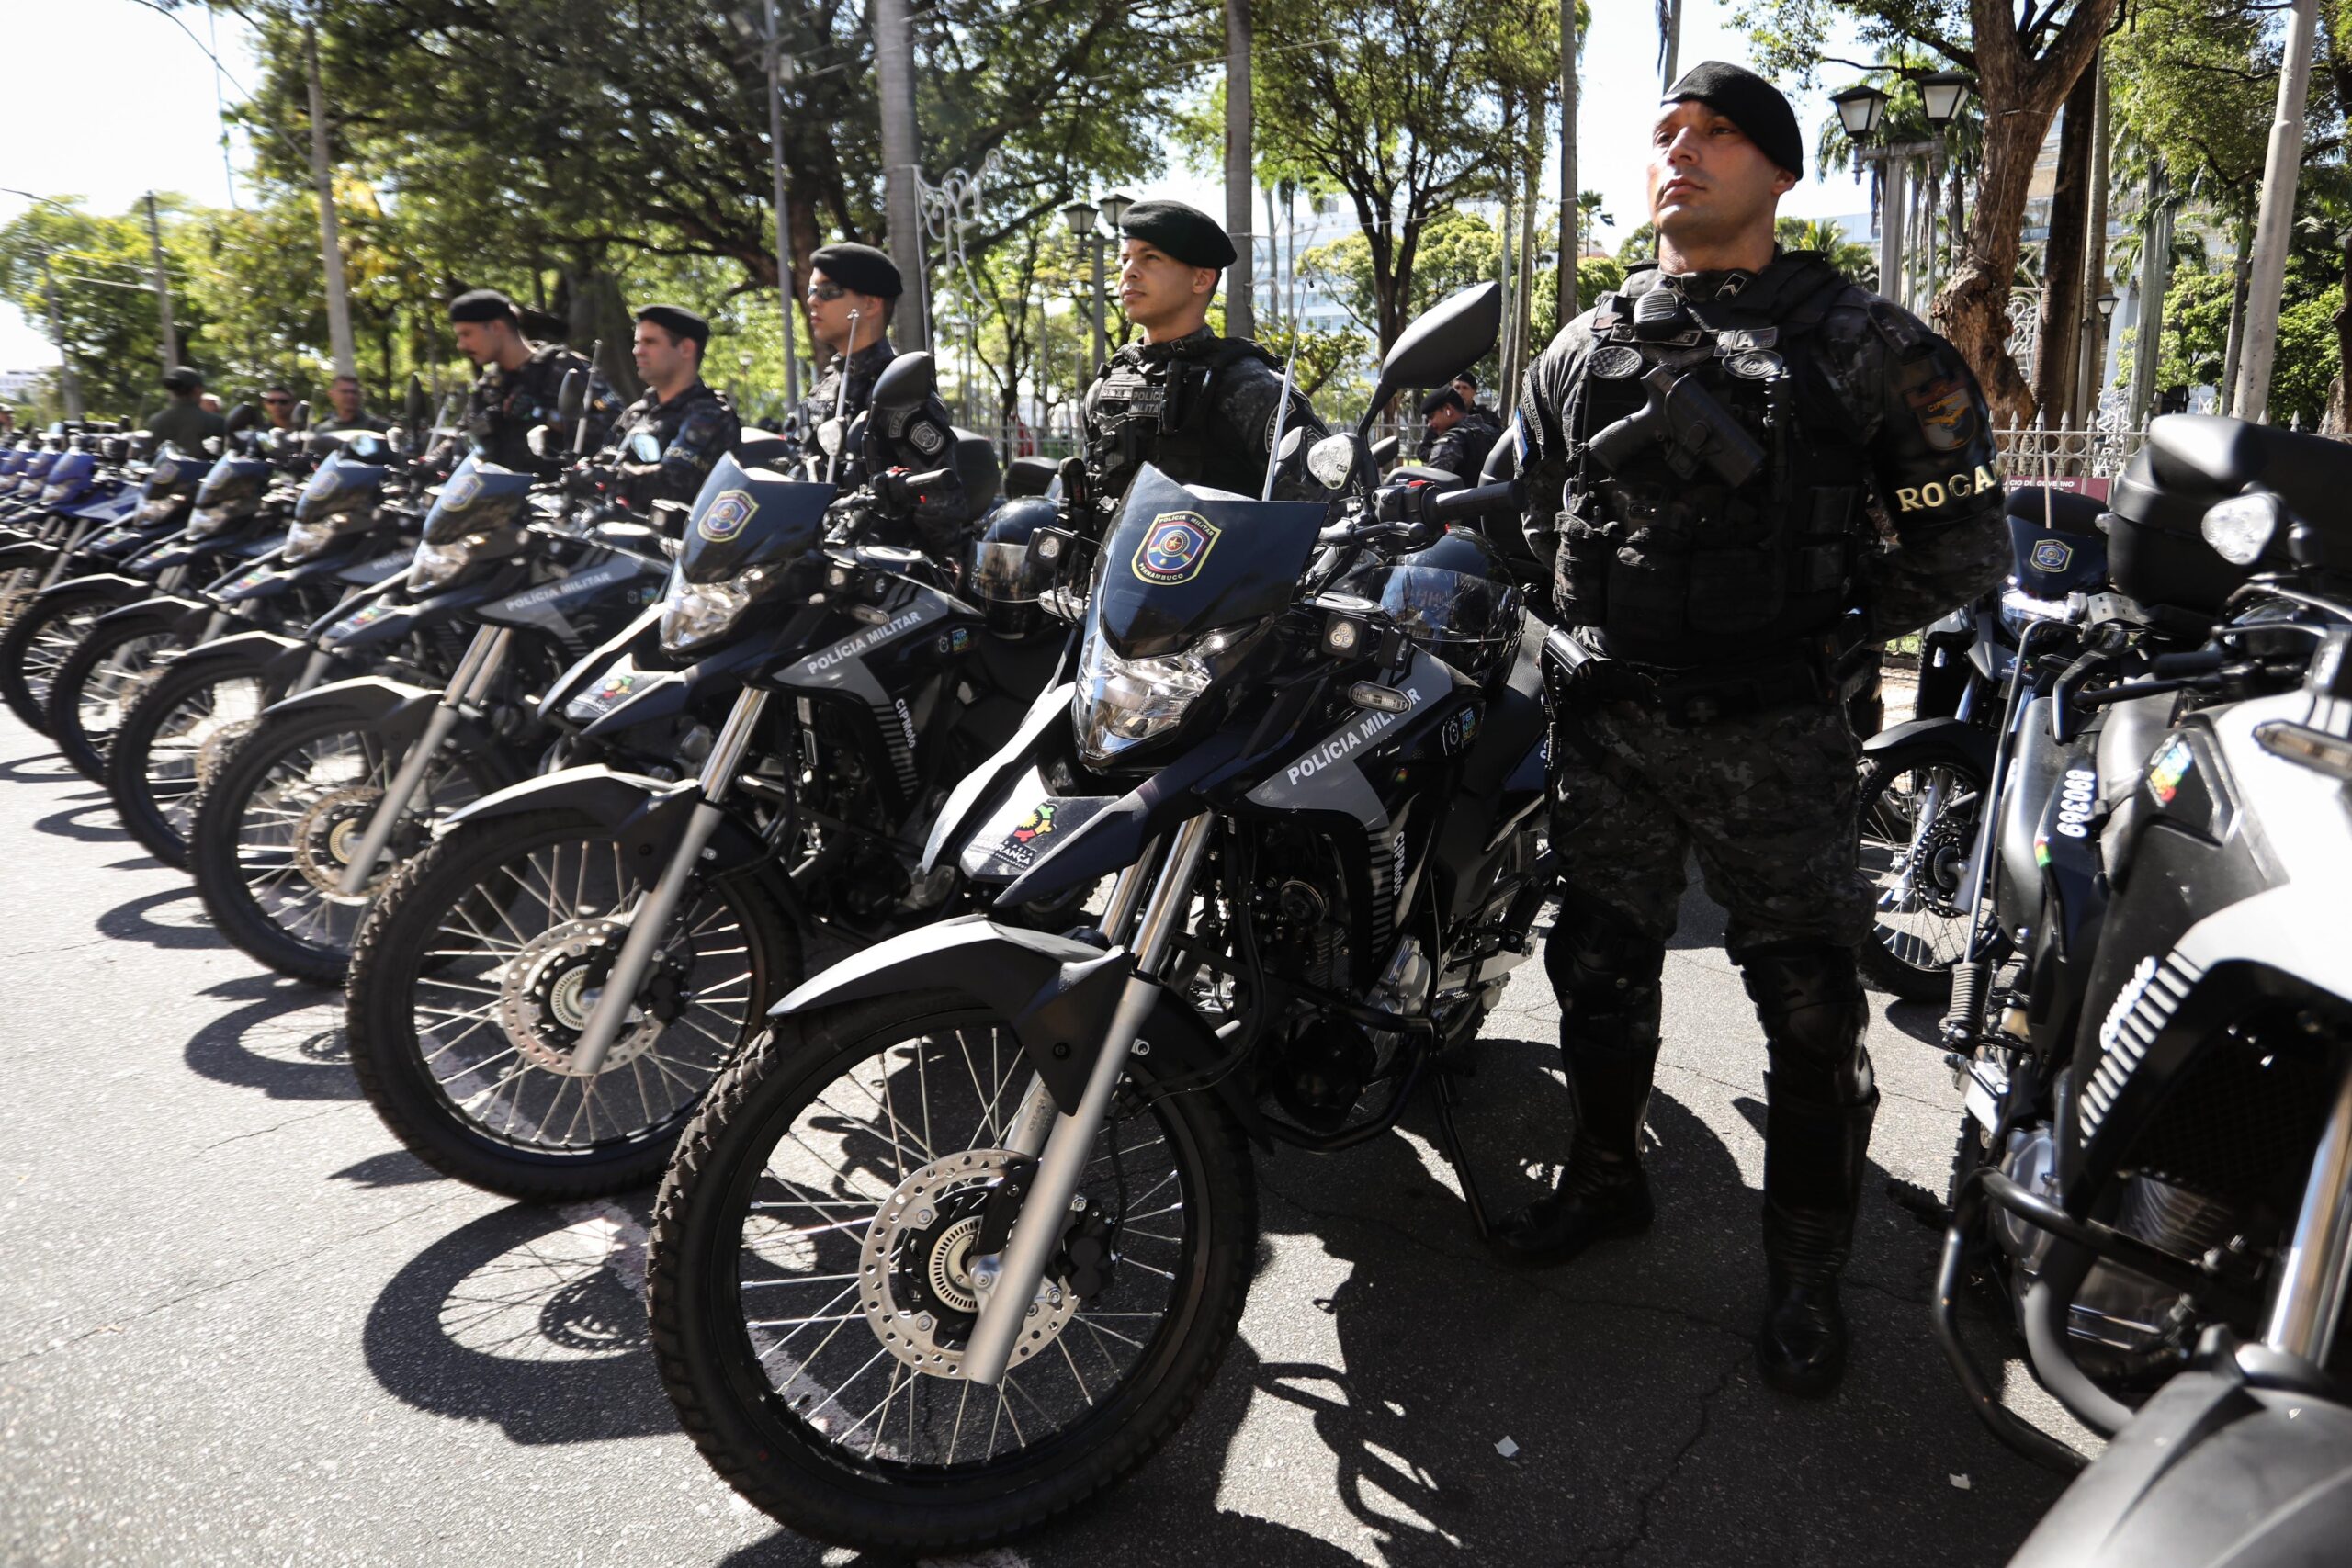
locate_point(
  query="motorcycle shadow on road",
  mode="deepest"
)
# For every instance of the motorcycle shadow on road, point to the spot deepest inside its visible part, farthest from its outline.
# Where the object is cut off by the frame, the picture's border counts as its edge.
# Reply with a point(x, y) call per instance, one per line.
point(287, 1041)
point(88, 818)
point(531, 1318)
point(171, 918)
point(41, 767)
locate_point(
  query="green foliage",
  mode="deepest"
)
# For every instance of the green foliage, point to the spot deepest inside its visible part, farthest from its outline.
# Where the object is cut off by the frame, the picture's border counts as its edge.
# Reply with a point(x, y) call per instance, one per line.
point(1857, 261)
point(107, 312)
point(1457, 250)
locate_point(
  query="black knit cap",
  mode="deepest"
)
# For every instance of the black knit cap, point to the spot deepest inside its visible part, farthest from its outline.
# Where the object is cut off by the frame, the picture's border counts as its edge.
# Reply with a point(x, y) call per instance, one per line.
point(1750, 103)
point(861, 269)
point(484, 305)
point(678, 322)
point(1443, 398)
point(1185, 233)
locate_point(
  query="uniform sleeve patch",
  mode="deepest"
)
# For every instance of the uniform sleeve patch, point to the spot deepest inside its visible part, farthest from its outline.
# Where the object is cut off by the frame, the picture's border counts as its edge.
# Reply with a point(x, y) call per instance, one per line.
point(1947, 414)
point(926, 437)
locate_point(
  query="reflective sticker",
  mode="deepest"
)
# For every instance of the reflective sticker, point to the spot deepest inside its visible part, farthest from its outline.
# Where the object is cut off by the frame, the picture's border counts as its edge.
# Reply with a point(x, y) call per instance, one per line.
point(955, 640)
point(2171, 765)
point(2051, 555)
point(1173, 549)
point(366, 616)
point(616, 686)
point(1616, 361)
point(1946, 413)
point(1035, 826)
point(725, 516)
point(461, 492)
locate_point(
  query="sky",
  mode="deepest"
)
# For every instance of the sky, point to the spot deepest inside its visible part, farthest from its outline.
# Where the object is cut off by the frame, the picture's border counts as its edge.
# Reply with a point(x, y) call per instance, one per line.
point(170, 141)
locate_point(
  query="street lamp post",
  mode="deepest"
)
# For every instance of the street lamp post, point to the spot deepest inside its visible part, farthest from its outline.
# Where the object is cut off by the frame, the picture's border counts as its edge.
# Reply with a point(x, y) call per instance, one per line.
point(1942, 93)
point(1862, 109)
point(1082, 218)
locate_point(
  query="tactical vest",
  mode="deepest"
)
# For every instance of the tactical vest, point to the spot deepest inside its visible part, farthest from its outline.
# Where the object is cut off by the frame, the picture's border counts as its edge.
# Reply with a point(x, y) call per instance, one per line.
point(1660, 550)
point(1160, 412)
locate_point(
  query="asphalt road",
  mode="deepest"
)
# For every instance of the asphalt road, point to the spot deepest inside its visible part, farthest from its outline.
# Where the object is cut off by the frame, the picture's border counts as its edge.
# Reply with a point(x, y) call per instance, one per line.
point(238, 1324)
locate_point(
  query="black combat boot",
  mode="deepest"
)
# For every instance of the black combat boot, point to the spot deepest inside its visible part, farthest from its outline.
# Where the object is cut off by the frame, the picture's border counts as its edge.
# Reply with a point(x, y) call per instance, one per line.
point(1602, 1193)
point(1820, 1103)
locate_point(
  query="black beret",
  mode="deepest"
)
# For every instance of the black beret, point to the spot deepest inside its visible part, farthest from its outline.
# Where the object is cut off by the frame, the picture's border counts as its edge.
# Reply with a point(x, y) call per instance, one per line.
point(484, 305)
point(1443, 398)
point(1750, 103)
point(183, 379)
point(861, 269)
point(1466, 379)
point(1187, 233)
point(678, 322)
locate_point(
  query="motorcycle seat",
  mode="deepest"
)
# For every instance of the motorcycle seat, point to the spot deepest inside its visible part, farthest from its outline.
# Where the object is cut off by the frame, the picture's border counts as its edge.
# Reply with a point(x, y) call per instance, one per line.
point(1514, 720)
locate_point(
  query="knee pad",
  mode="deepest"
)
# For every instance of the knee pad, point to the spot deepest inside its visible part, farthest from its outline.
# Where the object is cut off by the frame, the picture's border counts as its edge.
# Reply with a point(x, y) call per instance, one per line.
point(1606, 976)
point(1809, 998)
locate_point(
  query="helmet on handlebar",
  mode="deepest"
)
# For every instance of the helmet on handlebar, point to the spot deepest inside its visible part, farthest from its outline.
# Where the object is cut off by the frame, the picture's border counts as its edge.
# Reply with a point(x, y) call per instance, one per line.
point(1004, 579)
point(1454, 598)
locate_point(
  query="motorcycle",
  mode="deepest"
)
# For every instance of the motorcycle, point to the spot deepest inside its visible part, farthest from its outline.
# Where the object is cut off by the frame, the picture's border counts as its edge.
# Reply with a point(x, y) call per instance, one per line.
point(961, 1239)
point(82, 509)
point(538, 1002)
point(2155, 1176)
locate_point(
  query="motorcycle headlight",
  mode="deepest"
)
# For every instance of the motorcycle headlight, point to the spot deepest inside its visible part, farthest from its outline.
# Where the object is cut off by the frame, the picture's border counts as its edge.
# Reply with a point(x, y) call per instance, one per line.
point(2020, 609)
point(156, 509)
point(304, 540)
point(1121, 702)
point(434, 565)
point(697, 612)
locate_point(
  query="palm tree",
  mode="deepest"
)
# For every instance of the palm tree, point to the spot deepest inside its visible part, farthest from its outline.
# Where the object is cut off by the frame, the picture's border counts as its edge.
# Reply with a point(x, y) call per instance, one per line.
point(1856, 261)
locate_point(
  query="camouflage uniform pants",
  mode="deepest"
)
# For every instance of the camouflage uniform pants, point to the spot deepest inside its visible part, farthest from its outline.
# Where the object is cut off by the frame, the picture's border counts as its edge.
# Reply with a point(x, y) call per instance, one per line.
point(1769, 801)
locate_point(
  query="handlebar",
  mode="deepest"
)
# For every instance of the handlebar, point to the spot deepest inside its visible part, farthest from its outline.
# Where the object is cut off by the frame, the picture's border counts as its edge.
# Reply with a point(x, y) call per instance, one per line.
point(1479, 501)
point(932, 477)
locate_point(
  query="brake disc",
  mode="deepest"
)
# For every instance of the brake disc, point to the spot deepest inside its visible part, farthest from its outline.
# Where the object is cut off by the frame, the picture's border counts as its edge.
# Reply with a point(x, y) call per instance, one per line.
point(545, 997)
point(914, 1273)
point(326, 837)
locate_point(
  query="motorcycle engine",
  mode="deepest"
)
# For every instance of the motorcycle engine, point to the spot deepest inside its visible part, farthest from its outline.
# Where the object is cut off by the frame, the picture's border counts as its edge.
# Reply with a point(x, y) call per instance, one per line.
point(2124, 1324)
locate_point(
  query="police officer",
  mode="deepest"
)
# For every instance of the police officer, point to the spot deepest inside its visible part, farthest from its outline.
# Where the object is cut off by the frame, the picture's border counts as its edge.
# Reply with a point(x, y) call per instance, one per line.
point(852, 289)
point(691, 424)
point(1704, 442)
point(349, 403)
point(521, 381)
point(183, 421)
point(1459, 435)
point(1204, 408)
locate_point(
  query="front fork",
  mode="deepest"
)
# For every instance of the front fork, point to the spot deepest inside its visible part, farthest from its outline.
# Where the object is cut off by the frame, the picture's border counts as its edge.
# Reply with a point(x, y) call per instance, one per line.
point(2316, 1271)
point(1007, 1282)
point(469, 683)
point(650, 921)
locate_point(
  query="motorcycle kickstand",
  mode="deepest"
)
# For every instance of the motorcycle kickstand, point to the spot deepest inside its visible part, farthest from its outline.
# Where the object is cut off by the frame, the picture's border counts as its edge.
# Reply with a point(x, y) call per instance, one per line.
point(1450, 1140)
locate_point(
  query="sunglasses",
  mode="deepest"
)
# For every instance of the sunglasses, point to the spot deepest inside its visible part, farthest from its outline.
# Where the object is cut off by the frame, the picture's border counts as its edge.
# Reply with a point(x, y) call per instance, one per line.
point(826, 291)
point(278, 399)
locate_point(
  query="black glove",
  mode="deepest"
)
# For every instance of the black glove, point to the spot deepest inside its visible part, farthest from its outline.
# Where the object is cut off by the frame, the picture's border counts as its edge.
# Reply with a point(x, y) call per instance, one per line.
point(891, 493)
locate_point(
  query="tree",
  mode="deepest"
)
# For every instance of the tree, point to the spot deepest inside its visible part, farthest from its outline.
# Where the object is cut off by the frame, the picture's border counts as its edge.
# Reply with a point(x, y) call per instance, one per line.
point(2026, 55)
point(1827, 235)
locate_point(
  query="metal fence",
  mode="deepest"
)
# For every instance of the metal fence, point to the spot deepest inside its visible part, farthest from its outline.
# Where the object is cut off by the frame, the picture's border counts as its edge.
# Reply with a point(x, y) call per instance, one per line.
point(2037, 452)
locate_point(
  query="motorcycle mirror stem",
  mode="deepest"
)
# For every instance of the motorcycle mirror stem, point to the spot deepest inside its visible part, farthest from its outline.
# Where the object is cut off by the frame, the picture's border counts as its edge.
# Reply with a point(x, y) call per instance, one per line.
point(587, 394)
point(841, 399)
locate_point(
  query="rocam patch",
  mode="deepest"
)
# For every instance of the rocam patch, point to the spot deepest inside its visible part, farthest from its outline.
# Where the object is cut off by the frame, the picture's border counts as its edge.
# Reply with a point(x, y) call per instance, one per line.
point(2171, 765)
point(1174, 548)
point(1946, 413)
point(724, 518)
point(2051, 555)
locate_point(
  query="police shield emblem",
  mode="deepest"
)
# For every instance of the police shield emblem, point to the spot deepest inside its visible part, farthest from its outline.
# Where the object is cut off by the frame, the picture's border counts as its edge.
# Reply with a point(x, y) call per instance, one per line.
point(2051, 555)
point(461, 491)
point(926, 437)
point(725, 516)
point(1947, 417)
point(1174, 548)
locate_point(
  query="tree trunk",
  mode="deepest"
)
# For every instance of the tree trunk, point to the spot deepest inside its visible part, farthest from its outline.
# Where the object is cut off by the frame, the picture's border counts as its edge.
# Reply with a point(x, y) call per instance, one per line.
point(1571, 238)
point(1530, 190)
point(2240, 271)
point(1240, 176)
point(2062, 261)
point(2091, 381)
point(2020, 94)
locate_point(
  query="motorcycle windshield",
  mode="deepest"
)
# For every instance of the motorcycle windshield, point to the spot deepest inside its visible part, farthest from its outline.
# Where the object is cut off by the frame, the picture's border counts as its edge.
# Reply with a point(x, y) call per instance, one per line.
point(478, 498)
point(38, 470)
point(751, 517)
point(72, 469)
point(1184, 560)
point(232, 479)
point(341, 485)
point(172, 474)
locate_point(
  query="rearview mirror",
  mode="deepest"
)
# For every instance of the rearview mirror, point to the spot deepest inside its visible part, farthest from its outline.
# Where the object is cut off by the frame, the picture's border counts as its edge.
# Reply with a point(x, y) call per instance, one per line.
point(1444, 341)
point(240, 418)
point(1384, 451)
point(644, 449)
point(1332, 459)
point(909, 382)
point(830, 436)
point(540, 439)
point(302, 414)
point(412, 407)
point(572, 396)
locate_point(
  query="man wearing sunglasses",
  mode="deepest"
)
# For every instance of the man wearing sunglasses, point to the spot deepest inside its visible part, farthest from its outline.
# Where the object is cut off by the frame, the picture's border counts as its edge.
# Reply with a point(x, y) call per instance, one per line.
point(521, 383)
point(278, 403)
point(852, 289)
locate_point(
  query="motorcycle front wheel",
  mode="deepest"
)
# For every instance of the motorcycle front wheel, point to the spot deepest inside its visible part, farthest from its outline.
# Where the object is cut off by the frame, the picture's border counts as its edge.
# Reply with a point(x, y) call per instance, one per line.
point(172, 740)
point(1920, 815)
point(284, 812)
point(481, 961)
point(40, 639)
point(98, 681)
point(808, 1278)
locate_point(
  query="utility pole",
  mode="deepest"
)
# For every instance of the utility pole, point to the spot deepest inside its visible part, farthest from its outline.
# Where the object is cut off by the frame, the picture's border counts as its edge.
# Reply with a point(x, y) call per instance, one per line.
point(1669, 42)
point(893, 65)
point(163, 288)
point(1240, 171)
point(346, 362)
point(1893, 163)
point(1571, 242)
point(2277, 216)
point(2092, 367)
point(787, 284)
point(66, 384)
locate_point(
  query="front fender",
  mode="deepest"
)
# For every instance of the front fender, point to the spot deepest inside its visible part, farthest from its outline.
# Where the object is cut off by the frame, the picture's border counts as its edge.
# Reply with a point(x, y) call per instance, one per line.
point(1055, 994)
point(1952, 739)
point(377, 696)
point(27, 552)
point(124, 589)
point(273, 655)
point(644, 815)
point(978, 791)
point(168, 612)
